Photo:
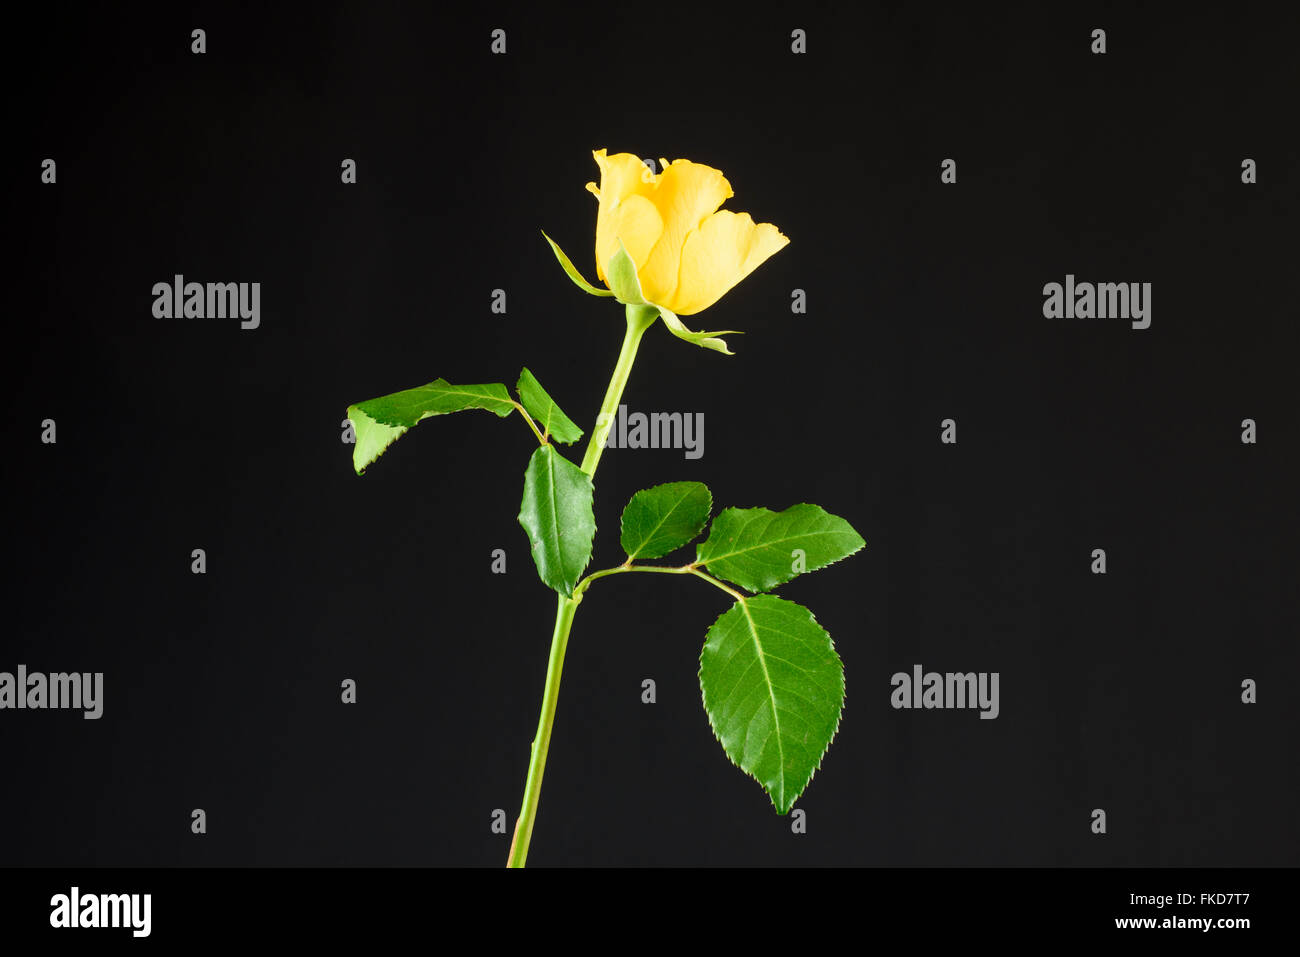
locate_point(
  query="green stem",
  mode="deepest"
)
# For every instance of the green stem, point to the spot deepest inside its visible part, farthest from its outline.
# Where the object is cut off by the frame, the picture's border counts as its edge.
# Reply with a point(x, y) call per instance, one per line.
point(531, 424)
point(717, 584)
point(661, 569)
point(542, 743)
point(639, 319)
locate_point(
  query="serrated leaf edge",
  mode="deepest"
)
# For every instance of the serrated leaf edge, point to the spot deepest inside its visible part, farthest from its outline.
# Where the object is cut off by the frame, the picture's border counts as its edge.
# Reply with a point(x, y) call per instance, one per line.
point(708, 513)
point(768, 591)
point(449, 388)
point(554, 408)
point(838, 719)
point(534, 545)
point(353, 411)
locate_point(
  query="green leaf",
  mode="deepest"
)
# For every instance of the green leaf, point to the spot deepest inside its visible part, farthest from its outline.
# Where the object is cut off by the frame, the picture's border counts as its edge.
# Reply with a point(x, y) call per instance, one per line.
point(620, 275)
point(542, 408)
point(371, 438)
point(556, 513)
point(773, 688)
point(378, 423)
point(660, 519)
point(706, 340)
point(572, 271)
point(759, 549)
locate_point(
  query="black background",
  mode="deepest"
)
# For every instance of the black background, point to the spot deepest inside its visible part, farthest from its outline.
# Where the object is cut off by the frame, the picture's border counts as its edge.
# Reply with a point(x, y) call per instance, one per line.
point(924, 302)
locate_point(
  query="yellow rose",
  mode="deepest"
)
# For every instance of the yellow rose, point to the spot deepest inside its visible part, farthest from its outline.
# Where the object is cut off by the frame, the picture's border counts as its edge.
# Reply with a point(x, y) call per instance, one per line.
point(687, 251)
point(663, 241)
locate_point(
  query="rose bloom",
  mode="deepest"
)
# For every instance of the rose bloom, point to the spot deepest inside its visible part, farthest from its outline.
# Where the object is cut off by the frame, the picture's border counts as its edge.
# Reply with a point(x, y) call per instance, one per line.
point(688, 252)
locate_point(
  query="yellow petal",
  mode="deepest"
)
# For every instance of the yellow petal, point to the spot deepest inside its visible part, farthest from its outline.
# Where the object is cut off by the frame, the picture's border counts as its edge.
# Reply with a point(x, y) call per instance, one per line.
point(622, 175)
point(685, 194)
point(622, 178)
point(636, 222)
point(725, 249)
